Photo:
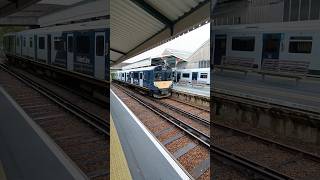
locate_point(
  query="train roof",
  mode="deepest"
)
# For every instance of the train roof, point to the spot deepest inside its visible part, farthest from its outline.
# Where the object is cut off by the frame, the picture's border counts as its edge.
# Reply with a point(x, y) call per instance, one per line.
point(194, 69)
point(312, 25)
point(140, 69)
point(98, 24)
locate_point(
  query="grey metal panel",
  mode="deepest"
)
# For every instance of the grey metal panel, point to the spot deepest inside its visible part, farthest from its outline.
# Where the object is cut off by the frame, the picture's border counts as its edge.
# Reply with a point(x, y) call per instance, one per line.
point(175, 8)
point(26, 152)
point(146, 160)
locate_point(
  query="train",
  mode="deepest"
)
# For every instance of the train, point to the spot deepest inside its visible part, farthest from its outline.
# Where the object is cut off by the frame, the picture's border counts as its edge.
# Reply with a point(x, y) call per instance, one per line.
point(78, 47)
point(157, 80)
point(298, 41)
point(198, 75)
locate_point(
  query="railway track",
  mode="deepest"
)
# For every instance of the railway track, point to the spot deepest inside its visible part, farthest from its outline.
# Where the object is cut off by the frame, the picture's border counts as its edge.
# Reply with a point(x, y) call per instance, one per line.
point(82, 136)
point(63, 89)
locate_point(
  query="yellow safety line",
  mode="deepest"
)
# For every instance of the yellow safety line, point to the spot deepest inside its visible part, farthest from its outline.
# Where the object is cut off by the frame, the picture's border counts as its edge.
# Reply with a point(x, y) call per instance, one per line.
point(2, 173)
point(119, 169)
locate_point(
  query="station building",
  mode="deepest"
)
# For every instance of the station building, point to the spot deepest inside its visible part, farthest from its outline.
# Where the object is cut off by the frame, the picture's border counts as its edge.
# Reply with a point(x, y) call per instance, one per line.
point(200, 58)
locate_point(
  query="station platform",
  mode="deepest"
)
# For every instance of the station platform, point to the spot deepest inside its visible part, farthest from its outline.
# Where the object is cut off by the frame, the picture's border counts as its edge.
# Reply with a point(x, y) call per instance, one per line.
point(305, 94)
point(26, 151)
point(144, 154)
point(203, 91)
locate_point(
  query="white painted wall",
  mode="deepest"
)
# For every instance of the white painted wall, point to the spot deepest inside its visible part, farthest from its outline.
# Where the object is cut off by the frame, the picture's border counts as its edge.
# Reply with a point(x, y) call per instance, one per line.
point(203, 53)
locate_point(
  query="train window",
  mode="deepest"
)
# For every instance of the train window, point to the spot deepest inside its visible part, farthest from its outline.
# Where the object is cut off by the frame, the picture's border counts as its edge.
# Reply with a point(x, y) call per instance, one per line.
point(185, 75)
point(59, 44)
point(204, 75)
point(100, 46)
point(18, 42)
point(24, 42)
point(70, 43)
point(140, 75)
point(41, 42)
point(83, 44)
point(157, 76)
point(243, 43)
point(30, 39)
point(300, 44)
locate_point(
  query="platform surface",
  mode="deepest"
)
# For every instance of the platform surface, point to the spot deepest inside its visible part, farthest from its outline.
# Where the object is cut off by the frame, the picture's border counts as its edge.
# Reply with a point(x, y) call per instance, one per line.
point(26, 151)
point(306, 92)
point(119, 166)
point(146, 157)
point(203, 91)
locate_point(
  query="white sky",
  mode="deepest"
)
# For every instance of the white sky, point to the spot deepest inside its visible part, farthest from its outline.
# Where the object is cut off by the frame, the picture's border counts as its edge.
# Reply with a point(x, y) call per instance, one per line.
point(190, 41)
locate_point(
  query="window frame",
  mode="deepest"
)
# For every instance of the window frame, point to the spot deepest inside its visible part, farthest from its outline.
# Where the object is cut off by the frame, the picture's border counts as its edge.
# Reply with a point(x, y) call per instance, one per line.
point(204, 74)
point(41, 43)
point(250, 48)
point(99, 48)
point(185, 76)
point(300, 39)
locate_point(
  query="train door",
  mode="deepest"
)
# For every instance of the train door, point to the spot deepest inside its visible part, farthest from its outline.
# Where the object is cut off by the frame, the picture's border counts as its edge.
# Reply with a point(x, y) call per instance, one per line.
point(21, 45)
point(100, 60)
point(35, 47)
point(141, 79)
point(178, 76)
point(194, 76)
point(219, 48)
point(70, 52)
point(271, 46)
point(49, 48)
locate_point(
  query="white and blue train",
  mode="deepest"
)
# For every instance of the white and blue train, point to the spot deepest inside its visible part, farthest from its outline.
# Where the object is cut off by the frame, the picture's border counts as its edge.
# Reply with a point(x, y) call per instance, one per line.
point(296, 41)
point(197, 75)
point(156, 80)
point(80, 47)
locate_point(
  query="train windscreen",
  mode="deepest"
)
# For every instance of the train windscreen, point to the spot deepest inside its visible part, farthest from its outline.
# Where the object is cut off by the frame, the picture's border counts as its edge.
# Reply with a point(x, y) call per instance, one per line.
point(162, 74)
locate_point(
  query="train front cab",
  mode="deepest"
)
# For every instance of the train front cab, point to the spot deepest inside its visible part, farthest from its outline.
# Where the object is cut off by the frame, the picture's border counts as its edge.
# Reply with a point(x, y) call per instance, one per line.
point(162, 81)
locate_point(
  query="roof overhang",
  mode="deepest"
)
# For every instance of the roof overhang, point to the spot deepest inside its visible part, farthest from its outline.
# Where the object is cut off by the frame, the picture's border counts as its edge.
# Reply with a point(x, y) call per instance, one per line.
point(165, 26)
point(50, 12)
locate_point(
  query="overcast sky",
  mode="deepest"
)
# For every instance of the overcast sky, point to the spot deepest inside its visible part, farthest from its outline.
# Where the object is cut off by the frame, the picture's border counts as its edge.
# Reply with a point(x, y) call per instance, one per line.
point(188, 42)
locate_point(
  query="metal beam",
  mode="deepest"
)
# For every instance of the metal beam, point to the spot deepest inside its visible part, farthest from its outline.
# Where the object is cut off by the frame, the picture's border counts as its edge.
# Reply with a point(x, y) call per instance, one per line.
point(15, 6)
point(153, 12)
point(117, 51)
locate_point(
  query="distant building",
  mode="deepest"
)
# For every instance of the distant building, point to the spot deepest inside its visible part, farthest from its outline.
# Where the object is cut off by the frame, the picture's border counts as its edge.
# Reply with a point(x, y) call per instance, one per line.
point(175, 58)
point(200, 58)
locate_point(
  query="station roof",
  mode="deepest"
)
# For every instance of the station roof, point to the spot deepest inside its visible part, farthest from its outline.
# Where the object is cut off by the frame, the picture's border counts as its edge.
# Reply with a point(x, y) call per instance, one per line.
point(27, 12)
point(183, 55)
point(139, 25)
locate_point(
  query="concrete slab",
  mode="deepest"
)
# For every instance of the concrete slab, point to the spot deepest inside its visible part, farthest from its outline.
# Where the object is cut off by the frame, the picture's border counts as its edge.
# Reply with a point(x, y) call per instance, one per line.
point(203, 91)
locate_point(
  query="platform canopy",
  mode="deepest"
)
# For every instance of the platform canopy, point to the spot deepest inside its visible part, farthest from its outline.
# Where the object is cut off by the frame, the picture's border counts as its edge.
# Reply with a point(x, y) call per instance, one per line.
point(139, 25)
point(27, 12)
